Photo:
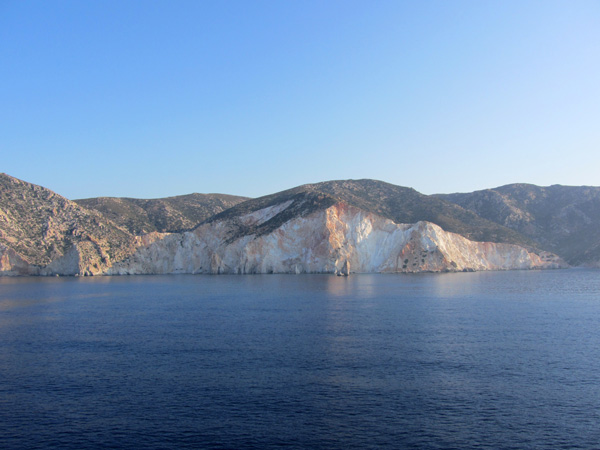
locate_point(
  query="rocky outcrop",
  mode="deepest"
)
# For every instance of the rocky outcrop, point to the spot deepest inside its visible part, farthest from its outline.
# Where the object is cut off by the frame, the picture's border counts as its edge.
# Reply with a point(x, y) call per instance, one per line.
point(44, 233)
point(337, 239)
point(12, 264)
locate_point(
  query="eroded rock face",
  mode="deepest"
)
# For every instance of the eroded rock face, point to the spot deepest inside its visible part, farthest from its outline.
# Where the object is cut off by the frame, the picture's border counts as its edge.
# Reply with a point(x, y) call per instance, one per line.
point(334, 227)
point(12, 264)
point(43, 233)
point(338, 239)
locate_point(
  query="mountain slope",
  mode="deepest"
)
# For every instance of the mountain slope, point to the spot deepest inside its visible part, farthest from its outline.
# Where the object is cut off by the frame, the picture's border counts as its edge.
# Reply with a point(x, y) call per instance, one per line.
point(41, 228)
point(330, 227)
point(304, 230)
point(170, 214)
point(561, 219)
point(397, 203)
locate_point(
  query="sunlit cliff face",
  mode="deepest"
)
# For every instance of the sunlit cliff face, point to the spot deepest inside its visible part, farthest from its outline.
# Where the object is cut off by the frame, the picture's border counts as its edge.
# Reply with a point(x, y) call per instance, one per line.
point(340, 238)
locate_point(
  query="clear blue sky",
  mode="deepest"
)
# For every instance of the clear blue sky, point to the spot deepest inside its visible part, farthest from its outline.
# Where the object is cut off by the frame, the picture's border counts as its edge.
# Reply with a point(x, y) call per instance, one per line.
point(157, 98)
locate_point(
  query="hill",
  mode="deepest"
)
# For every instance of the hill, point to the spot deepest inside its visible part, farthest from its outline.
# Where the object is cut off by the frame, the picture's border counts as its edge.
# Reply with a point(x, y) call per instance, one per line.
point(340, 227)
point(397, 203)
point(40, 228)
point(164, 215)
point(561, 219)
point(333, 226)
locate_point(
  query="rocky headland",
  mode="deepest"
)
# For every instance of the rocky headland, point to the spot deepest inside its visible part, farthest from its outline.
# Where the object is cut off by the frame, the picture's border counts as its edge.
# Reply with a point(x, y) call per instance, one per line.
point(43, 233)
point(349, 226)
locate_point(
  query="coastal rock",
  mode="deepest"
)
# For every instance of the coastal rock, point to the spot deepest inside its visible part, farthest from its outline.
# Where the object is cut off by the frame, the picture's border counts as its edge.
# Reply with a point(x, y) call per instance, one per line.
point(341, 227)
point(53, 235)
point(11, 264)
point(332, 240)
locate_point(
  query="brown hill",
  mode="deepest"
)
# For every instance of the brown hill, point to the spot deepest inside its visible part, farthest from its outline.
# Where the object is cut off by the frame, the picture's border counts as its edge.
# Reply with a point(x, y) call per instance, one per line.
point(561, 219)
point(170, 214)
point(42, 227)
point(397, 203)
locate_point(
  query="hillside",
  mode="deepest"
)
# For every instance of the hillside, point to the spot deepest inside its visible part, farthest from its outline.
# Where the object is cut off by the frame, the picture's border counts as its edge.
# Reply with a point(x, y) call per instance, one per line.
point(170, 214)
point(399, 204)
point(42, 227)
point(561, 219)
point(335, 227)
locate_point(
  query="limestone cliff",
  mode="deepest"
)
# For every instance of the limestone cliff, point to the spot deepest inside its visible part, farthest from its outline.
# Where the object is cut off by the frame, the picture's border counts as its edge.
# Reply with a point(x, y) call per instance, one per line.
point(336, 239)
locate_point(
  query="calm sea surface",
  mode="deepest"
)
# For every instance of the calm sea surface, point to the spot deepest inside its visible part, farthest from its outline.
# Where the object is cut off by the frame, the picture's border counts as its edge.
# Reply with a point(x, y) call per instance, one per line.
point(495, 360)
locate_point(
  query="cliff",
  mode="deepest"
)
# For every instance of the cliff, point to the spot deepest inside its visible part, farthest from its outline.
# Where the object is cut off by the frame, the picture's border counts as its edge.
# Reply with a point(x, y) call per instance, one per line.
point(397, 203)
point(332, 227)
point(337, 239)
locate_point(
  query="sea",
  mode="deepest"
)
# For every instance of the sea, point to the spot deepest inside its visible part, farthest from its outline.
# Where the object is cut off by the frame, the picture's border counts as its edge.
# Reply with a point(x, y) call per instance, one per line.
point(487, 360)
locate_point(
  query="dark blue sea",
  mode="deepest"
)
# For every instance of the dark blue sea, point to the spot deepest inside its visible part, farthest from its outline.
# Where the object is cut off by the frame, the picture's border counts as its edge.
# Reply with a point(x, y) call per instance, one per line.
point(497, 360)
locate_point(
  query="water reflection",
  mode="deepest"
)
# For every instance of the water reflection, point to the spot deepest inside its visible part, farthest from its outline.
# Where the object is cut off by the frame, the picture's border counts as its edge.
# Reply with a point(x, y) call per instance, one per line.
point(369, 361)
point(8, 304)
point(362, 286)
point(521, 282)
point(44, 297)
point(455, 284)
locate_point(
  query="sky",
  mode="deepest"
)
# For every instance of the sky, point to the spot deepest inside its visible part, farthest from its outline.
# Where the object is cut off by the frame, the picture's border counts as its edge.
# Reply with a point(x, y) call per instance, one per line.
point(157, 98)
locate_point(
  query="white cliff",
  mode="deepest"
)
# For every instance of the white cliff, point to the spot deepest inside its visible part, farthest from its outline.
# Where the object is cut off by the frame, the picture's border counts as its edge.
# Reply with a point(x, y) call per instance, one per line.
point(338, 239)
